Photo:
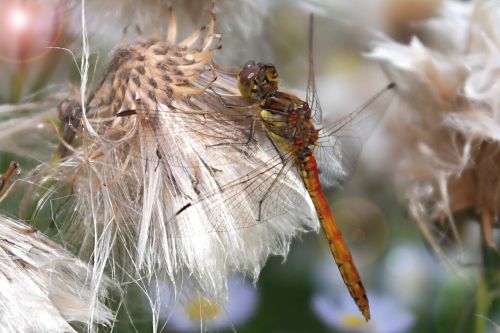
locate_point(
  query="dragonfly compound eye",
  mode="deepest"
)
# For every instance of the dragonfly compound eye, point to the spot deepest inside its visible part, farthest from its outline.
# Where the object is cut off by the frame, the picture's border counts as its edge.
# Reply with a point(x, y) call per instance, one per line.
point(249, 64)
point(248, 80)
point(271, 72)
point(267, 79)
point(257, 80)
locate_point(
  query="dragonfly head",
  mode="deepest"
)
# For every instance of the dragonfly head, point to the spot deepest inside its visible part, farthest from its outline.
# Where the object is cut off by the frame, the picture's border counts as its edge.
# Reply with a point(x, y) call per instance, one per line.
point(257, 80)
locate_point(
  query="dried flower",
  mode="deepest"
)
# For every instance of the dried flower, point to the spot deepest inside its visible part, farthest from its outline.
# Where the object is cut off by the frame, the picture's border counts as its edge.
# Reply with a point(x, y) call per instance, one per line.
point(159, 190)
point(43, 287)
point(105, 20)
point(449, 134)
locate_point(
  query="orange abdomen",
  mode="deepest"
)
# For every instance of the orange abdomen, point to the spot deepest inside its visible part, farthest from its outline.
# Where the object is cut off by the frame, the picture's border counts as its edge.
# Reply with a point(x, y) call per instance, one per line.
point(340, 251)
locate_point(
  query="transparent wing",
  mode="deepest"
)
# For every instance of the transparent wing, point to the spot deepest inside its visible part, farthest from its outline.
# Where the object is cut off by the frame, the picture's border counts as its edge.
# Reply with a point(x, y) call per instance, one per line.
point(187, 163)
point(340, 143)
point(274, 194)
point(311, 92)
point(223, 136)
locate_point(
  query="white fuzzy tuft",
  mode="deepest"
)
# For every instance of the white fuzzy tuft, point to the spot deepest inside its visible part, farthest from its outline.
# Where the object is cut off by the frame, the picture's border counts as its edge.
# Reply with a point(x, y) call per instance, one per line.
point(43, 288)
point(449, 134)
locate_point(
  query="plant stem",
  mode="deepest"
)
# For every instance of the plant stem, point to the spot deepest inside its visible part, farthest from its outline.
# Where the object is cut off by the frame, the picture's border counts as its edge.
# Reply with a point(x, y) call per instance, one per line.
point(483, 298)
point(483, 302)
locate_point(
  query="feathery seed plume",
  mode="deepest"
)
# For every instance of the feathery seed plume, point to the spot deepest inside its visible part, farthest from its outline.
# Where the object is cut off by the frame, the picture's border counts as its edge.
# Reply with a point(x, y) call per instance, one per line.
point(44, 288)
point(449, 134)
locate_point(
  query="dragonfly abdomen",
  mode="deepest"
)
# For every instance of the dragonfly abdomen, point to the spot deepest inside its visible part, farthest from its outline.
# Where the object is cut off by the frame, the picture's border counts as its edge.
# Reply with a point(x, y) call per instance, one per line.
point(343, 258)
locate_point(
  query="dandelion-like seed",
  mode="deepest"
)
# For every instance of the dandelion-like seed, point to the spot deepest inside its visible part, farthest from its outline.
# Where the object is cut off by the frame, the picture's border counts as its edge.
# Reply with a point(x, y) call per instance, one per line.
point(43, 287)
point(449, 136)
point(179, 171)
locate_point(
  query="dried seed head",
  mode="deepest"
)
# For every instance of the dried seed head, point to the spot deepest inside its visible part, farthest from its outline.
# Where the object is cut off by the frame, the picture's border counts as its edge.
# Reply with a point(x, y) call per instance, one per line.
point(449, 134)
point(106, 19)
point(43, 287)
point(156, 194)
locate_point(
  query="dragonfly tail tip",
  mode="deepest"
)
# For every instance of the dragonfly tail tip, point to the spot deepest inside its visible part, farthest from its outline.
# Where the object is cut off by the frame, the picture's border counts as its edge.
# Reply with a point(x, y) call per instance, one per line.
point(366, 314)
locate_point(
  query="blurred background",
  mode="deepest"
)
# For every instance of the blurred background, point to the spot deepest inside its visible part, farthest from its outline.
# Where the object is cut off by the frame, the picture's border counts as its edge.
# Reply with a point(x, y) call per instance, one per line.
point(409, 288)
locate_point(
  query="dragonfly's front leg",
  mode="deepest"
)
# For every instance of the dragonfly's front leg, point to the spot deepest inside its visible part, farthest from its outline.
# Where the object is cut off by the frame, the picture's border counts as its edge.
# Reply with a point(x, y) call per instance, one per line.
point(231, 105)
point(70, 115)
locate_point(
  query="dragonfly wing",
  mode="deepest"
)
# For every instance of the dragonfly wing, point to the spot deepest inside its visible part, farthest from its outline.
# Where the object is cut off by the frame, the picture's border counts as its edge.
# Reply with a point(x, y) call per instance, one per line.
point(340, 143)
point(253, 186)
point(206, 188)
point(337, 158)
point(268, 197)
point(311, 92)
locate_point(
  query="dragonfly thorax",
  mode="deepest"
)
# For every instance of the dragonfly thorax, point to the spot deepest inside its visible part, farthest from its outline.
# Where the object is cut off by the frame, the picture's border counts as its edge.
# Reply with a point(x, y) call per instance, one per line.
point(288, 118)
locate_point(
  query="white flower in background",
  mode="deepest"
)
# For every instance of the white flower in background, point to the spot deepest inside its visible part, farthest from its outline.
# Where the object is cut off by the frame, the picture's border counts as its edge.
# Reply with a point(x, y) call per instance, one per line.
point(337, 310)
point(409, 271)
point(340, 313)
point(448, 133)
point(43, 288)
point(192, 312)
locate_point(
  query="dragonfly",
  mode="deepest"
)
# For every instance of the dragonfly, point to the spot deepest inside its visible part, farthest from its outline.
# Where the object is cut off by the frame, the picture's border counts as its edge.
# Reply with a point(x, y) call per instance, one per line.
point(227, 167)
point(290, 126)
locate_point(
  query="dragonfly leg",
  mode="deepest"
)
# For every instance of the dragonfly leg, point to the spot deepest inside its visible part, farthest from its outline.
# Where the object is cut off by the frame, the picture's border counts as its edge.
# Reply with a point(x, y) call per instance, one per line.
point(275, 146)
point(251, 133)
point(211, 170)
point(229, 105)
point(158, 154)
